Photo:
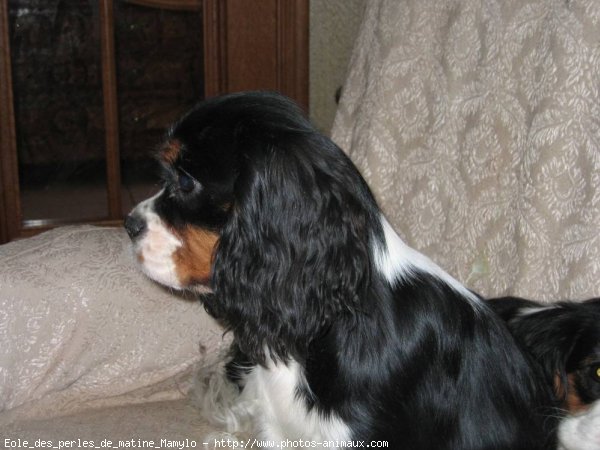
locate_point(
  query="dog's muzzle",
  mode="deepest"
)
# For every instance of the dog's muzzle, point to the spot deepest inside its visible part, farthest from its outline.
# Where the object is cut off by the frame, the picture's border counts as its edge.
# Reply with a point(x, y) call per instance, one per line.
point(135, 225)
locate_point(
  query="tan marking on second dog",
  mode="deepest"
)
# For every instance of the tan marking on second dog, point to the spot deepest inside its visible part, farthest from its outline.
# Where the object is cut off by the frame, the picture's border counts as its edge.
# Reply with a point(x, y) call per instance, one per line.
point(572, 401)
point(170, 151)
point(193, 260)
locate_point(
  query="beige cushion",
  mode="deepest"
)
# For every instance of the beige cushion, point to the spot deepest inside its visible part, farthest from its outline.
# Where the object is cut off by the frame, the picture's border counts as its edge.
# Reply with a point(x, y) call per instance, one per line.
point(171, 420)
point(81, 327)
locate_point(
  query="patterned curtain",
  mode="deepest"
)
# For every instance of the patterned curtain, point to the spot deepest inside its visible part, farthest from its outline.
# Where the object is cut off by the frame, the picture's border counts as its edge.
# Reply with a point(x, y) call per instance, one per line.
point(477, 124)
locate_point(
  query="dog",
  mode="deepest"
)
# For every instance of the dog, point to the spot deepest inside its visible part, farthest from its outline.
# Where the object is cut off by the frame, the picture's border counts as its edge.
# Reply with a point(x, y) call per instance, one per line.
point(341, 331)
point(564, 338)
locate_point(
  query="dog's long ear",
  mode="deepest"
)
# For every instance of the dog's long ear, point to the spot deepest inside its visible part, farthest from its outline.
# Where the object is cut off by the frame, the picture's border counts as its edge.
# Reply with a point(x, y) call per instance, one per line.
point(559, 338)
point(296, 249)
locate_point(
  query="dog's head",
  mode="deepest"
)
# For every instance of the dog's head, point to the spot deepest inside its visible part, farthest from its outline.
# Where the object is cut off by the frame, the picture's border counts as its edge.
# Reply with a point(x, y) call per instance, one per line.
point(261, 213)
point(565, 339)
point(582, 367)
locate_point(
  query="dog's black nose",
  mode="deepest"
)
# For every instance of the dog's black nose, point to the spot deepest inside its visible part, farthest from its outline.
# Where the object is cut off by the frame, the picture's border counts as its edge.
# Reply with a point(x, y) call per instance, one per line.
point(134, 225)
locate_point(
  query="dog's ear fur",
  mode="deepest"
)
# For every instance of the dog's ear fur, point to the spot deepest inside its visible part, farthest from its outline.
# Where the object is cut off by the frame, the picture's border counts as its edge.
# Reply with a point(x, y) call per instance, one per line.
point(558, 337)
point(295, 252)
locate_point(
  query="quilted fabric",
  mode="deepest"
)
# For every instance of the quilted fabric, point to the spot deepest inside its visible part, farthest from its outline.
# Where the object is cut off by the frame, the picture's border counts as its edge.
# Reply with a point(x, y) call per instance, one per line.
point(477, 124)
point(80, 326)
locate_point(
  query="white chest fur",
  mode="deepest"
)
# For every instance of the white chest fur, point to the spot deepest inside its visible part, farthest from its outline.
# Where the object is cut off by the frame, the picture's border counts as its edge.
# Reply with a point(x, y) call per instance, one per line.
point(281, 410)
point(581, 432)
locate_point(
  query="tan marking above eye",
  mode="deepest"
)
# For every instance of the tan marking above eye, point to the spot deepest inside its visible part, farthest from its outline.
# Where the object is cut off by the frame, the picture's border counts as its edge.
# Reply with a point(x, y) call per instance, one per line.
point(193, 260)
point(170, 151)
point(226, 206)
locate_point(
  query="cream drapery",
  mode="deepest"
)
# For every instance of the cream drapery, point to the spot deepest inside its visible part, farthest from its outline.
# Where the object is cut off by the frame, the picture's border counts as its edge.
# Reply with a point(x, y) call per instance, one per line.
point(477, 124)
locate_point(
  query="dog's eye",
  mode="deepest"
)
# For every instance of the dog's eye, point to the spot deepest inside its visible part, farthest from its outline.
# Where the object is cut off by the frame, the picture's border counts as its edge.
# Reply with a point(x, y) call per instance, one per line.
point(186, 183)
point(596, 372)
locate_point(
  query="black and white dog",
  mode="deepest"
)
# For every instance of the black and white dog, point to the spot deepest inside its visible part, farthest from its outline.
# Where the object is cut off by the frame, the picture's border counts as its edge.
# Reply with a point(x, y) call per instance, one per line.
point(342, 332)
point(564, 338)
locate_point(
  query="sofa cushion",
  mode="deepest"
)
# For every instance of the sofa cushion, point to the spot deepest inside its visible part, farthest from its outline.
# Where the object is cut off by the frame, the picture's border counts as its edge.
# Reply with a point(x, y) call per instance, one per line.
point(81, 327)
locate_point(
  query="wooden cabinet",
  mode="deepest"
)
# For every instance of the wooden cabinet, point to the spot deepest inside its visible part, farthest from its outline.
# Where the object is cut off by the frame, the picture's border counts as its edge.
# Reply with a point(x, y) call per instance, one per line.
point(88, 88)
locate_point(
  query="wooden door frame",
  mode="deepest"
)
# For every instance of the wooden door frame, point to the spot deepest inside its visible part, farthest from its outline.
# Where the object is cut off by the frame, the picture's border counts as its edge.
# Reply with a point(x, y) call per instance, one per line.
point(9, 183)
point(291, 78)
point(291, 52)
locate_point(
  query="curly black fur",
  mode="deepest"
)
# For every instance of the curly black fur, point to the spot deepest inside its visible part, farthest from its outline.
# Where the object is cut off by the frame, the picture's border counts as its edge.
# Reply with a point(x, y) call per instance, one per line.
point(413, 361)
